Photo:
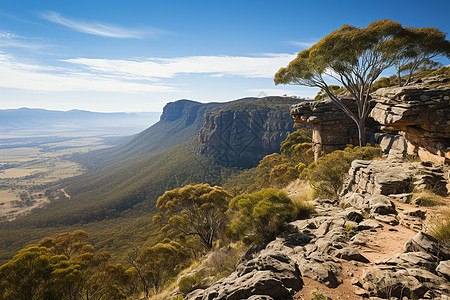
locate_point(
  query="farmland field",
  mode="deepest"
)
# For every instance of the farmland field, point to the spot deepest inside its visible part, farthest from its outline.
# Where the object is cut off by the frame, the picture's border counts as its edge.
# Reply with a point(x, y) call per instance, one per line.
point(30, 169)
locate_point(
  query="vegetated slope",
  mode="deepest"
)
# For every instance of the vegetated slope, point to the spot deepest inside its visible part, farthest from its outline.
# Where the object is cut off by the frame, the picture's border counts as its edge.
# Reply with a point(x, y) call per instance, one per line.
point(125, 181)
point(180, 121)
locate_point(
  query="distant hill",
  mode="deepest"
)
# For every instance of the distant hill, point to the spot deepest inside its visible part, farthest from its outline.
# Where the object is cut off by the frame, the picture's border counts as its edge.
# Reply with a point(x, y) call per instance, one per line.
point(180, 121)
point(27, 121)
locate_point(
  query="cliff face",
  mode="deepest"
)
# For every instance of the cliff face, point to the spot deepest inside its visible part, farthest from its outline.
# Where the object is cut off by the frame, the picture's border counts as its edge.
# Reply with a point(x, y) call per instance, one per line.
point(415, 120)
point(332, 128)
point(243, 132)
point(421, 114)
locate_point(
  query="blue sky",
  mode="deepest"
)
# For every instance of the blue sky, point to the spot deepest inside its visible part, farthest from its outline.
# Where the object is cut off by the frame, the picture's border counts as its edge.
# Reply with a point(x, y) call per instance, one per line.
point(139, 55)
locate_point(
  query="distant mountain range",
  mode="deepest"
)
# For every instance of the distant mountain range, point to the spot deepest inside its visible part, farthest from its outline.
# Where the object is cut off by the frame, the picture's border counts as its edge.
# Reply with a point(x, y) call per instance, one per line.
point(49, 122)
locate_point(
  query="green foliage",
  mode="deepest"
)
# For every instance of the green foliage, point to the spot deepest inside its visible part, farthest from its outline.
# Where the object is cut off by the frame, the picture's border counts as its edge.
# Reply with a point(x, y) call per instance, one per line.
point(156, 265)
point(195, 210)
point(416, 47)
point(317, 295)
point(43, 272)
point(356, 57)
point(190, 282)
point(297, 146)
point(337, 90)
point(327, 175)
point(260, 216)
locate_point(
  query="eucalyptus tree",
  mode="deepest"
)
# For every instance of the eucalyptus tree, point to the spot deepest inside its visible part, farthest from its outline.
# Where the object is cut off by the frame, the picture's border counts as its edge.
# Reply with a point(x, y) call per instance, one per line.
point(417, 47)
point(355, 57)
point(198, 210)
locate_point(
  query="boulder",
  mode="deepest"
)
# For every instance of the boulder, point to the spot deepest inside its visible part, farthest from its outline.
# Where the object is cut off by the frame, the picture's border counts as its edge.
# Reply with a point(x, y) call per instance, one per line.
point(349, 253)
point(444, 269)
point(273, 275)
point(426, 243)
point(387, 283)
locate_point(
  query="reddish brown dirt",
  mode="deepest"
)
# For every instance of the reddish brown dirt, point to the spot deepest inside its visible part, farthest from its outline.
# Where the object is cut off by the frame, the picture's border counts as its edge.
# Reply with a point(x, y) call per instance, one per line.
point(382, 244)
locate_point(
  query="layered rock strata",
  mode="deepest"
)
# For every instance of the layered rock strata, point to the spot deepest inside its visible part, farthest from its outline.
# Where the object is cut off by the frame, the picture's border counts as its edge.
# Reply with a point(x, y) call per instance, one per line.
point(241, 133)
point(332, 128)
point(420, 112)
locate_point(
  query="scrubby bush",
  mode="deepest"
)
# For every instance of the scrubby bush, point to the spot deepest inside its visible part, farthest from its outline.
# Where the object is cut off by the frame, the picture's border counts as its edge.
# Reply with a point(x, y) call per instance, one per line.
point(190, 282)
point(427, 198)
point(260, 216)
point(328, 174)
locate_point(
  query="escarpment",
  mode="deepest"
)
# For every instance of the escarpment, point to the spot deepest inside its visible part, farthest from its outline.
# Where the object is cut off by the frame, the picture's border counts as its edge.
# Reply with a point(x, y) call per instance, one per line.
point(241, 133)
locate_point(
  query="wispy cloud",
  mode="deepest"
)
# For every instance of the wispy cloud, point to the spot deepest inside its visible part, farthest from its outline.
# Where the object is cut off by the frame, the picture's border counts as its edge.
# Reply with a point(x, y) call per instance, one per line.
point(100, 29)
point(37, 45)
point(17, 75)
point(301, 44)
point(132, 76)
point(263, 66)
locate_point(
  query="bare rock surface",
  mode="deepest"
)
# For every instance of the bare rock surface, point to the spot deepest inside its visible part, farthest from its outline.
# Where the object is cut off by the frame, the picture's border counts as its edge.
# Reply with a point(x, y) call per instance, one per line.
point(420, 112)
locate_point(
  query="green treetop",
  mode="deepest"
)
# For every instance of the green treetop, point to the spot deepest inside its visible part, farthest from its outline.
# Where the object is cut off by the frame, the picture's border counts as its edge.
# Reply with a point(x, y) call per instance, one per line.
point(355, 57)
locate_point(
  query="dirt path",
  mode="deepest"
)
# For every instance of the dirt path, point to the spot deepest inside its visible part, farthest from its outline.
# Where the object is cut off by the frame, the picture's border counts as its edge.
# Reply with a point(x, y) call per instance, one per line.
point(382, 243)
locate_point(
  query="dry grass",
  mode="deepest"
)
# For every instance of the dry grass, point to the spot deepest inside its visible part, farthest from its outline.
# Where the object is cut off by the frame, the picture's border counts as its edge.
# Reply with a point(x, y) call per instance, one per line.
point(427, 198)
point(440, 226)
point(301, 193)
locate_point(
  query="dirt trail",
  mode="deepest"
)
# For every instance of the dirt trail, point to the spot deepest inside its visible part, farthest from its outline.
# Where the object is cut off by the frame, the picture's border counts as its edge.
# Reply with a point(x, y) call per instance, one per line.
point(382, 243)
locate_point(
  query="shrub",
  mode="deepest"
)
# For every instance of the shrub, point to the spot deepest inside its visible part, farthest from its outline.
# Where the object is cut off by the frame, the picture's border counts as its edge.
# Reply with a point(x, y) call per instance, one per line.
point(328, 174)
point(304, 194)
point(190, 282)
point(260, 216)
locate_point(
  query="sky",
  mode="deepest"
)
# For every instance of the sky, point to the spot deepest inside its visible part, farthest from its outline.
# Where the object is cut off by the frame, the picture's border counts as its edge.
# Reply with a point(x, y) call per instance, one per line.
point(131, 56)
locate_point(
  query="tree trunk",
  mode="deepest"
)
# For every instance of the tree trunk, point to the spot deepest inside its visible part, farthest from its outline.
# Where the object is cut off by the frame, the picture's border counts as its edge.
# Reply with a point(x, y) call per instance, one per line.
point(361, 132)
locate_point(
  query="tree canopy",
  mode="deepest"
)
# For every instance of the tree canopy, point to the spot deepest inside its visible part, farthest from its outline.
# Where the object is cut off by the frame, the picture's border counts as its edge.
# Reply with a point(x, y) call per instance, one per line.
point(195, 210)
point(355, 57)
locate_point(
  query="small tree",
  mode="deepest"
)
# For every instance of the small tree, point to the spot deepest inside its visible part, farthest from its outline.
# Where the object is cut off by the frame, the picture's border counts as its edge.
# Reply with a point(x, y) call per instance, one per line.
point(355, 57)
point(198, 210)
point(155, 265)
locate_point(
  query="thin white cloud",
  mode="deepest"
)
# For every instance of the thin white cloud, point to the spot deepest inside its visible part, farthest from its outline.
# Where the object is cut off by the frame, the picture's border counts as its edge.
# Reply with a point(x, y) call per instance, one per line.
point(8, 35)
point(301, 44)
point(132, 76)
point(12, 40)
point(100, 29)
point(264, 66)
point(14, 74)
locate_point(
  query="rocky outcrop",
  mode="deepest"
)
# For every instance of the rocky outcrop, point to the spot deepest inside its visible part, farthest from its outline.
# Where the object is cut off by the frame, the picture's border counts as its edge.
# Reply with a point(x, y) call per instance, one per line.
point(420, 112)
point(419, 272)
point(332, 128)
point(241, 133)
point(322, 249)
point(373, 186)
point(390, 177)
point(414, 120)
point(272, 274)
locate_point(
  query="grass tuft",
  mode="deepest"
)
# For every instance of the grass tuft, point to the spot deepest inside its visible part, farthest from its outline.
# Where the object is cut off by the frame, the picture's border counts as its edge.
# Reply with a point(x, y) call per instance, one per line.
point(427, 198)
point(440, 226)
point(304, 193)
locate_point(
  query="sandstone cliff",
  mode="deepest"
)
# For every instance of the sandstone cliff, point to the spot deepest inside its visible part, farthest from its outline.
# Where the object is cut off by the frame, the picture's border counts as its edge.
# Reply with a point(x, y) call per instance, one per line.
point(420, 112)
point(241, 133)
point(415, 120)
